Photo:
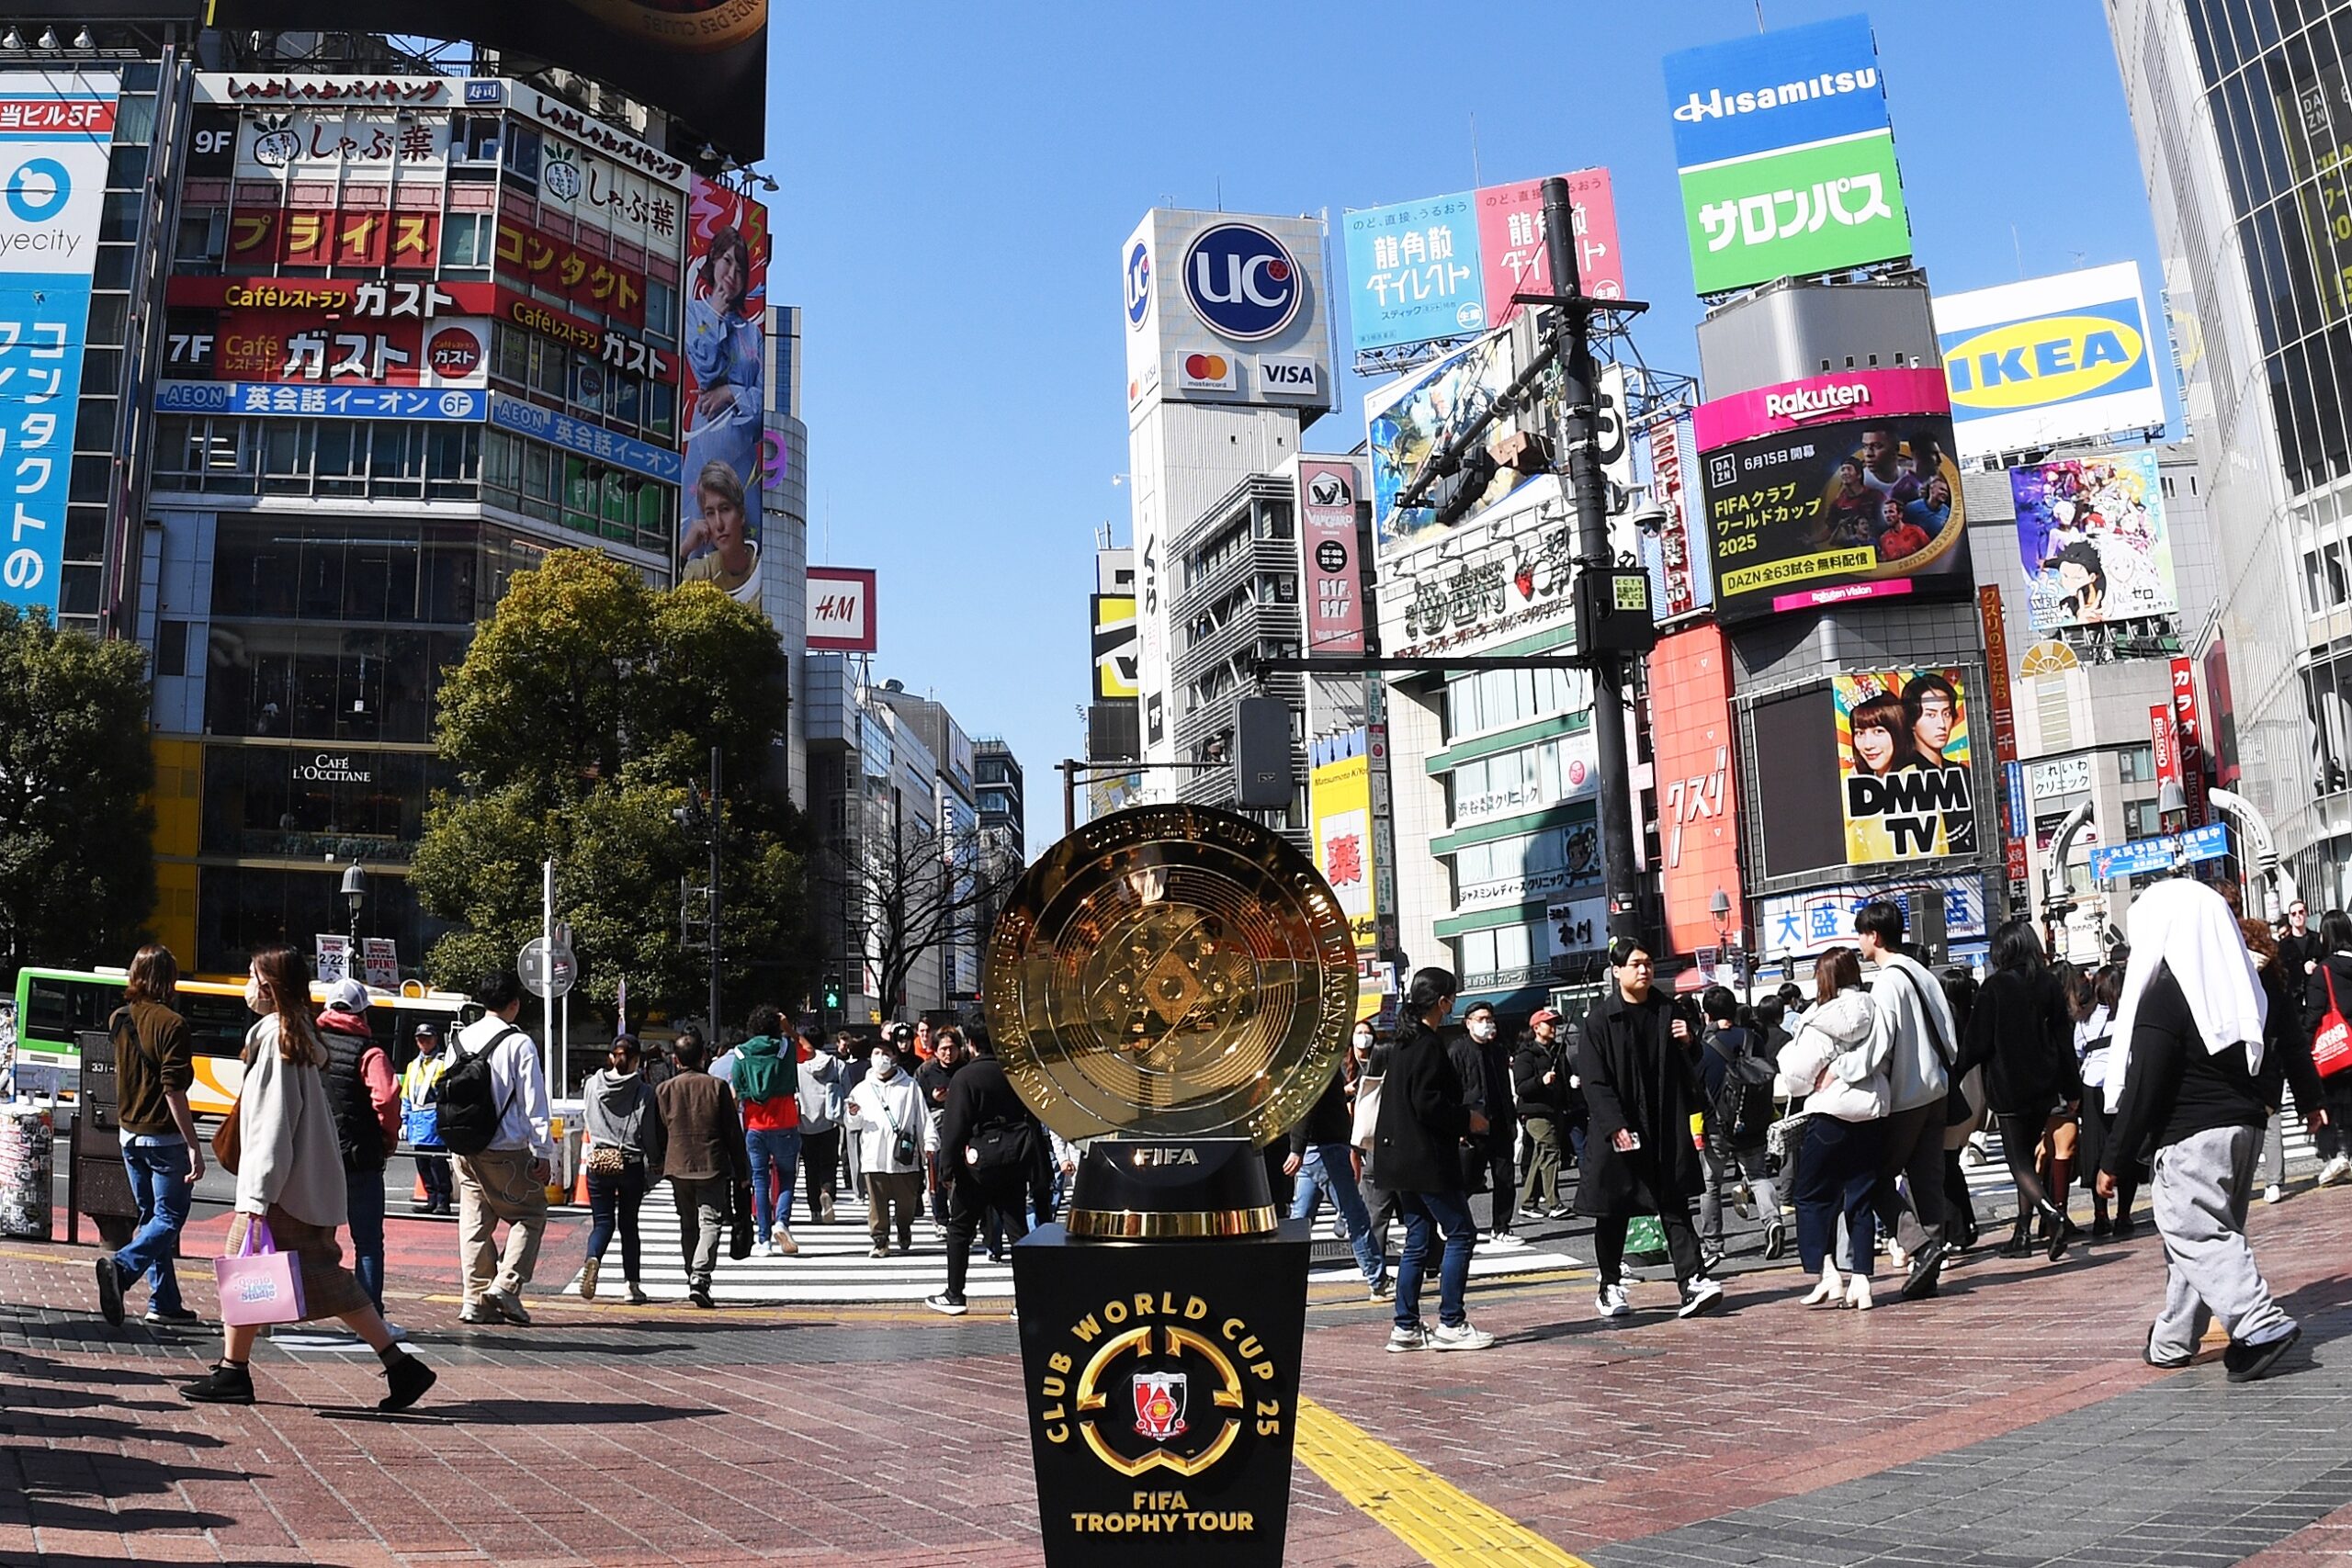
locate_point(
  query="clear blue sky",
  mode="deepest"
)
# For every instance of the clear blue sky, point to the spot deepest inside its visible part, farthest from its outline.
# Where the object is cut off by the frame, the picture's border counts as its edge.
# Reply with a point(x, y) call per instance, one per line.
point(957, 180)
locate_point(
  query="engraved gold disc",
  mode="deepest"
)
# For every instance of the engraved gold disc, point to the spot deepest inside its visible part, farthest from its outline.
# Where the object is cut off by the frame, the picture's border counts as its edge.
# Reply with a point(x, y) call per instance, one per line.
point(1171, 971)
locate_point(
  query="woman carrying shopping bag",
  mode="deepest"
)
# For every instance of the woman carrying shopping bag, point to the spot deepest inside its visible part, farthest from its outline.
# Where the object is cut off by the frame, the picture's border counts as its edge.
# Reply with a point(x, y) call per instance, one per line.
point(289, 1185)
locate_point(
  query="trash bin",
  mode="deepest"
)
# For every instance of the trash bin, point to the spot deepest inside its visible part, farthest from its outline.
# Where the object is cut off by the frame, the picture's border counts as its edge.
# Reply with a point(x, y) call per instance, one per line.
point(27, 1169)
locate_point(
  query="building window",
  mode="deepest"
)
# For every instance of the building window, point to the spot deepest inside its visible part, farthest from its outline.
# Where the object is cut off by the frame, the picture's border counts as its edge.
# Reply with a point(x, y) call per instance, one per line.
point(2136, 764)
point(171, 649)
point(466, 239)
point(2141, 819)
point(1497, 699)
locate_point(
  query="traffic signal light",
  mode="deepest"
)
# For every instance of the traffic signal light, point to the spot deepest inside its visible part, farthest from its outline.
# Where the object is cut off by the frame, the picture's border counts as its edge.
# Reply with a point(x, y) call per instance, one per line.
point(833, 993)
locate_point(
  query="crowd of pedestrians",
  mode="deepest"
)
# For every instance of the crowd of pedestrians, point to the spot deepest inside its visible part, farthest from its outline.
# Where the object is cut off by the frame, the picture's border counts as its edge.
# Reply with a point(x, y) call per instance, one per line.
point(2165, 1070)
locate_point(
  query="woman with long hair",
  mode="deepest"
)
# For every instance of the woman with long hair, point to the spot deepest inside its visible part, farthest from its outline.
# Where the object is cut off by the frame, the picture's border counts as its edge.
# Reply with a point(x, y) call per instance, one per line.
point(290, 1176)
point(2022, 1033)
point(1881, 736)
point(1838, 1160)
point(1964, 1118)
point(2330, 986)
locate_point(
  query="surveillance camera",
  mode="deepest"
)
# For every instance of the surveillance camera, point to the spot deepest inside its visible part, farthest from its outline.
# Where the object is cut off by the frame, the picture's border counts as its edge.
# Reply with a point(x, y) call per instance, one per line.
point(1650, 518)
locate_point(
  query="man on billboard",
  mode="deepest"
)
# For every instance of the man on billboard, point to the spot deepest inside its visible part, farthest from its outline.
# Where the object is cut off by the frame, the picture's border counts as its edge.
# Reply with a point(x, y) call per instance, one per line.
point(1904, 765)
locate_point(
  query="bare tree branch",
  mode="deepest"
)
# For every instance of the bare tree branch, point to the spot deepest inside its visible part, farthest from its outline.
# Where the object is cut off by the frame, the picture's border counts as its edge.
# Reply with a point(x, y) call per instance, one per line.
point(915, 891)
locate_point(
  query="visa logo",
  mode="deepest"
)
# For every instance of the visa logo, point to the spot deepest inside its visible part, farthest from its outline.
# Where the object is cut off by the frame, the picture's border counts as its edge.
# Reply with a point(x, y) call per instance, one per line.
point(1288, 374)
point(2048, 359)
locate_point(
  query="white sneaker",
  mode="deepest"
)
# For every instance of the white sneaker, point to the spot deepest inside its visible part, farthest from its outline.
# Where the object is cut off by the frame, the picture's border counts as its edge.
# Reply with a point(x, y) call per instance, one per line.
point(2273, 1194)
point(1402, 1339)
point(1610, 1301)
point(1459, 1337)
point(1504, 1241)
point(762, 1249)
point(1705, 1295)
point(2334, 1170)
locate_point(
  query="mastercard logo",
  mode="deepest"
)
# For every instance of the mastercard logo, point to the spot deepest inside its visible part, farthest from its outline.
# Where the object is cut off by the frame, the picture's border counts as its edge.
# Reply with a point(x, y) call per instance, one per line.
point(1207, 366)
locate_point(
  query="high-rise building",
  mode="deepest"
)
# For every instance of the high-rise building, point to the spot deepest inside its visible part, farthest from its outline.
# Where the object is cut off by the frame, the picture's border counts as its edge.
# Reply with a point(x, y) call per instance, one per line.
point(1229, 358)
point(2242, 111)
point(365, 340)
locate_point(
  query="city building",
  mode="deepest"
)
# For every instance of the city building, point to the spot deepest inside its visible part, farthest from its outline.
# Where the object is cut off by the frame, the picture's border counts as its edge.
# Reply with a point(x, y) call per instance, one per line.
point(364, 339)
point(2241, 114)
point(1228, 359)
point(2090, 709)
point(955, 818)
point(1004, 834)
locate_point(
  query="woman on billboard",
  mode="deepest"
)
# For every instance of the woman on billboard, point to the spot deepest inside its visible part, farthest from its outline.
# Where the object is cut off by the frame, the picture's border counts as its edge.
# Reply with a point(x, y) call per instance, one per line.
point(1882, 742)
point(723, 350)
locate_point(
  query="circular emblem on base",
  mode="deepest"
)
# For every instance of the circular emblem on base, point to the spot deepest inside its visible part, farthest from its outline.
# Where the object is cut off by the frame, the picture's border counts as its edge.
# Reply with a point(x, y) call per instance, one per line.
point(1172, 971)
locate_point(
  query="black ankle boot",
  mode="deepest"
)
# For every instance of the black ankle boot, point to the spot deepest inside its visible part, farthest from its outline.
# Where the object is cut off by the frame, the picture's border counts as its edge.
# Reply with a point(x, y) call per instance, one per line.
point(2020, 1242)
point(2063, 1231)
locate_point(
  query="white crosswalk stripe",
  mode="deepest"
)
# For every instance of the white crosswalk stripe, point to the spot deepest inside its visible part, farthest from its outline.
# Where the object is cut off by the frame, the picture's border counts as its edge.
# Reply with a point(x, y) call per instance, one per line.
point(834, 1265)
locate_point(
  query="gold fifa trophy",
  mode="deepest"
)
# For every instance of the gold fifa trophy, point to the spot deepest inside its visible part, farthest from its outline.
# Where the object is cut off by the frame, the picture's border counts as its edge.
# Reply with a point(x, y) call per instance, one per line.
point(1174, 985)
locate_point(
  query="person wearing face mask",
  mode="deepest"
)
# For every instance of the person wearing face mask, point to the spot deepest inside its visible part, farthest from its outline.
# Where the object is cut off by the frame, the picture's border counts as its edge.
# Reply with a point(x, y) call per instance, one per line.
point(419, 1088)
point(1371, 1067)
point(896, 1137)
point(1495, 1155)
point(1426, 1111)
point(1321, 1162)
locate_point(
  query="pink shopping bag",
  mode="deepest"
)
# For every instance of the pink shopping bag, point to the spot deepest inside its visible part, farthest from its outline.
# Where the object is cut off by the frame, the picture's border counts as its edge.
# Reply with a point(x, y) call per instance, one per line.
point(259, 1283)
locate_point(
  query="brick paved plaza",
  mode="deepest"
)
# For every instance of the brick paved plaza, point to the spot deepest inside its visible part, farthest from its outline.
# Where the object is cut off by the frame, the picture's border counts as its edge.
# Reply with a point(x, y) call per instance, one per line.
point(2010, 1423)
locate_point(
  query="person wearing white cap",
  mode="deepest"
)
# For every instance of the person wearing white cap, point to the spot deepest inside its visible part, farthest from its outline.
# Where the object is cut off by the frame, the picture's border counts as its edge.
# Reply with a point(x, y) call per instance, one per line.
point(2187, 1069)
point(366, 1101)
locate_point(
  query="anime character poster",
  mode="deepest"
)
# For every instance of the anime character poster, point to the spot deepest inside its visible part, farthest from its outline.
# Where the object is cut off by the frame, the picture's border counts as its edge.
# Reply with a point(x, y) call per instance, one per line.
point(724, 390)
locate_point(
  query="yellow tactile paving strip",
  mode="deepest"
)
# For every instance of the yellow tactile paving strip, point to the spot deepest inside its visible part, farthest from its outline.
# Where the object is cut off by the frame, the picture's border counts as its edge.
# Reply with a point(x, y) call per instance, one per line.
point(1434, 1516)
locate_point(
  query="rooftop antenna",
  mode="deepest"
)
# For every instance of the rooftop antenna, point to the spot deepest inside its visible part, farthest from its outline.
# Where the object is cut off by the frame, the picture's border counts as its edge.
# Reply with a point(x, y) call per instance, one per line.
point(1477, 180)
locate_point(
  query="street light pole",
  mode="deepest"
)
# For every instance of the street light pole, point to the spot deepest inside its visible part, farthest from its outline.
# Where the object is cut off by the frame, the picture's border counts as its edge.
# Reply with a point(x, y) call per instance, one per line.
point(717, 838)
point(1580, 453)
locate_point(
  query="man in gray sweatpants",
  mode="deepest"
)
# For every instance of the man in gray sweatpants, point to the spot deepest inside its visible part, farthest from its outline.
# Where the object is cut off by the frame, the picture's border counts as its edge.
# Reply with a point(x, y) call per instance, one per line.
point(2202, 1186)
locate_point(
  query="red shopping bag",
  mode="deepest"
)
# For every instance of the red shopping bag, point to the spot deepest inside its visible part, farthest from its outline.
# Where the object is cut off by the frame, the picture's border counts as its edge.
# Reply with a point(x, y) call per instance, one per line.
point(259, 1284)
point(2332, 1042)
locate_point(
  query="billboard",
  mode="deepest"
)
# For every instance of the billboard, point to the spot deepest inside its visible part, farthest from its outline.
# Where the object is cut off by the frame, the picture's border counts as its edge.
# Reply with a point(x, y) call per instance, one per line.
point(1226, 309)
point(1111, 622)
point(1331, 578)
point(1835, 488)
point(1414, 418)
point(1903, 765)
point(704, 62)
point(1698, 801)
point(841, 610)
point(1787, 158)
point(2091, 534)
point(1503, 584)
point(726, 356)
point(1447, 267)
point(55, 129)
point(2049, 359)
point(1685, 583)
point(1340, 797)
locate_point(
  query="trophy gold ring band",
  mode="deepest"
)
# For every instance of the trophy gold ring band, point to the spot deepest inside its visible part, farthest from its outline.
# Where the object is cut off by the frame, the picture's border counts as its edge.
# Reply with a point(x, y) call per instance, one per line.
point(1181, 1224)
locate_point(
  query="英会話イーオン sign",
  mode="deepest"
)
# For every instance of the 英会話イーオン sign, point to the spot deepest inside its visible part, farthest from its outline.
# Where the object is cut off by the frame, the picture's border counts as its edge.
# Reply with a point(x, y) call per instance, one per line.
point(1787, 158)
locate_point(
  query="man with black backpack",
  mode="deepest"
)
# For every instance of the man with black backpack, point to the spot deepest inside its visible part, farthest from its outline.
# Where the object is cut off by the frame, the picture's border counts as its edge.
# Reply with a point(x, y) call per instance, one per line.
point(494, 1118)
point(988, 1142)
point(1739, 1110)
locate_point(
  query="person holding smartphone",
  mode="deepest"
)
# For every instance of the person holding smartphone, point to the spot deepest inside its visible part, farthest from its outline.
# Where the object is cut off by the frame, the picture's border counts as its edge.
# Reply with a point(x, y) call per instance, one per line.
point(1640, 1073)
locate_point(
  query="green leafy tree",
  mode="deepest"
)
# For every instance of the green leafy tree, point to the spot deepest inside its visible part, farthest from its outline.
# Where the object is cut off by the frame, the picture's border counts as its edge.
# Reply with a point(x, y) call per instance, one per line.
point(582, 715)
point(77, 867)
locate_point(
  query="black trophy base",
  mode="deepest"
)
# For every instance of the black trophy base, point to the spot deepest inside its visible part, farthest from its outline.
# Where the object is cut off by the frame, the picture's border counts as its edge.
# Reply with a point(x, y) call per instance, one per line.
point(1162, 1374)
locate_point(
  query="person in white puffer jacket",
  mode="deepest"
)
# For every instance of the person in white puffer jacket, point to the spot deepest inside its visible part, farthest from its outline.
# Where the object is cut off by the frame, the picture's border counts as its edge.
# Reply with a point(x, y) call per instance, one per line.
point(1837, 1158)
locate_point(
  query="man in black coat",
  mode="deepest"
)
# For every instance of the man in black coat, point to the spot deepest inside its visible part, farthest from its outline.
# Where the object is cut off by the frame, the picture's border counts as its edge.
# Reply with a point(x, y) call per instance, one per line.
point(1641, 1082)
point(988, 1145)
point(1490, 1159)
point(1424, 1116)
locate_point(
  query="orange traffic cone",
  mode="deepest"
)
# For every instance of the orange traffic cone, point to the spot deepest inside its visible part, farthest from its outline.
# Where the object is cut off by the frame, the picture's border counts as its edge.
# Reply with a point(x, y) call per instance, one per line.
point(580, 1183)
point(420, 1195)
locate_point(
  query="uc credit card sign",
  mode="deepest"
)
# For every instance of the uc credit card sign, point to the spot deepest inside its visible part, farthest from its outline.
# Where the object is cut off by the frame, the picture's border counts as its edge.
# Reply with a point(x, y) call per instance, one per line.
point(55, 132)
point(1786, 156)
point(2049, 359)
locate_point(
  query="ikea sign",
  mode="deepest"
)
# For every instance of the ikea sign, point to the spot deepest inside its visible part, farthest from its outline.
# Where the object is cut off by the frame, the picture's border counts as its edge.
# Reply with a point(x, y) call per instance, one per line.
point(2033, 364)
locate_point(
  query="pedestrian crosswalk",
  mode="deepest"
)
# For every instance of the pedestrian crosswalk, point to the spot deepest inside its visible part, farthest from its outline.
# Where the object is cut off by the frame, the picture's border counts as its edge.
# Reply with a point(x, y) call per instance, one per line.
point(834, 1266)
